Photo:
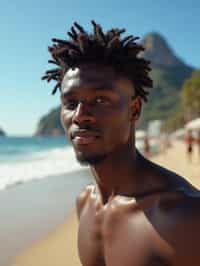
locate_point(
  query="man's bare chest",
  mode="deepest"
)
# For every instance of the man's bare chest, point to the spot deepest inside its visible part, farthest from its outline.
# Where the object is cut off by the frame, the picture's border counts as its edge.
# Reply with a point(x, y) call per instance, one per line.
point(111, 236)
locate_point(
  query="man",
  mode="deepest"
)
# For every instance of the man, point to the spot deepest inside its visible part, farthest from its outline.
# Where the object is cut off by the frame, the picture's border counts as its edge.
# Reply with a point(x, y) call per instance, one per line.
point(137, 213)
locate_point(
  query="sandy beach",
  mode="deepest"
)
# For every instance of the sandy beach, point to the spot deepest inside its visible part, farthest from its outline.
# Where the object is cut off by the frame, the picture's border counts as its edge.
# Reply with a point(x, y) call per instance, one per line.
point(58, 247)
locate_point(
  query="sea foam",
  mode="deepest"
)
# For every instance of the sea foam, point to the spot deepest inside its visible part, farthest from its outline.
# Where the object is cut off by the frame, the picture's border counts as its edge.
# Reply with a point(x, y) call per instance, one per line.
point(56, 161)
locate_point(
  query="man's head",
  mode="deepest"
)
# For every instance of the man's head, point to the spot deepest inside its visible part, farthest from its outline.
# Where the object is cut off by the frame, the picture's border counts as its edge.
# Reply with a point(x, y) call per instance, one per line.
point(102, 82)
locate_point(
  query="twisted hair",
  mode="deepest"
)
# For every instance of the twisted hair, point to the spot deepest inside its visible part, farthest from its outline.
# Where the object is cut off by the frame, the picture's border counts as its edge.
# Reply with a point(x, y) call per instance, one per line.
point(100, 48)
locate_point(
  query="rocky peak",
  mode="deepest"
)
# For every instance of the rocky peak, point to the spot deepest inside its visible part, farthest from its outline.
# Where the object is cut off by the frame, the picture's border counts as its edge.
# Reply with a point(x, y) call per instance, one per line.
point(159, 52)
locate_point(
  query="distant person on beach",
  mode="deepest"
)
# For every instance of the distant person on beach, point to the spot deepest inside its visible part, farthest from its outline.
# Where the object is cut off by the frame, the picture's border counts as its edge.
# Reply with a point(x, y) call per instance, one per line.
point(198, 142)
point(164, 143)
point(146, 146)
point(136, 213)
point(189, 140)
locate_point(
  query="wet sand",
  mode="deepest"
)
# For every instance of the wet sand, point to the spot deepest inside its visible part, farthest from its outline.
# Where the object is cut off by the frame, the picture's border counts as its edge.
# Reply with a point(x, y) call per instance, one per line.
point(31, 211)
point(59, 247)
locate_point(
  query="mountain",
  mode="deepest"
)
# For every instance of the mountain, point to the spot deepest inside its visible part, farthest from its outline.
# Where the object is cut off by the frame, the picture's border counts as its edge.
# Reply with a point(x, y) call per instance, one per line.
point(168, 73)
point(159, 52)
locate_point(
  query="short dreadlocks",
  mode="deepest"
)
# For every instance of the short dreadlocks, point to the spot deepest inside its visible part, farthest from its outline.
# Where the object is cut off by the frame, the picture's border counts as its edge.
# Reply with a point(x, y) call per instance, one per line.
point(101, 48)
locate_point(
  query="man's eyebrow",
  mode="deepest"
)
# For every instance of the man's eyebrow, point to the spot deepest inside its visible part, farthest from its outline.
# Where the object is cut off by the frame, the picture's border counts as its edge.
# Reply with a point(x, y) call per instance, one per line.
point(104, 88)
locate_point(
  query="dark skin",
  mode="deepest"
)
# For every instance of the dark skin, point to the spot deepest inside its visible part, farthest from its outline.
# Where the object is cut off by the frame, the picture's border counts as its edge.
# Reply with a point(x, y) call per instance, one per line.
point(137, 213)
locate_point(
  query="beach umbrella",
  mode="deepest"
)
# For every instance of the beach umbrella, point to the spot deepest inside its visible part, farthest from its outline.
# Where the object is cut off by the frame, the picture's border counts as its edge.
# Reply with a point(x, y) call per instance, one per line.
point(140, 134)
point(179, 133)
point(194, 124)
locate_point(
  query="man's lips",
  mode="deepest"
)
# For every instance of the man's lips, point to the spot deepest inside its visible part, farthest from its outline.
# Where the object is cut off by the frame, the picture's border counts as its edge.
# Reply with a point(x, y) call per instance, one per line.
point(84, 137)
point(84, 140)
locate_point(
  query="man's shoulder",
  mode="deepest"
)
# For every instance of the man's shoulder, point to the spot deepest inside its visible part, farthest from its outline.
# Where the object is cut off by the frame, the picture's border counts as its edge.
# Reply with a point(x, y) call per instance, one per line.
point(181, 206)
point(175, 182)
point(182, 201)
point(82, 198)
point(179, 196)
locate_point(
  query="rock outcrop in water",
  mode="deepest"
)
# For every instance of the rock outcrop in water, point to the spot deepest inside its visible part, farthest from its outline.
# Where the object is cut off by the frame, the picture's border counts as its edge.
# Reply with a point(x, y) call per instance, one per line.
point(50, 124)
point(168, 73)
point(2, 133)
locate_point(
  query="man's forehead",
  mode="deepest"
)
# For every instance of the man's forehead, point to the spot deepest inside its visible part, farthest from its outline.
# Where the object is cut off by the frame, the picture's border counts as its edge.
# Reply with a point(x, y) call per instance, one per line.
point(92, 76)
point(90, 72)
point(87, 77)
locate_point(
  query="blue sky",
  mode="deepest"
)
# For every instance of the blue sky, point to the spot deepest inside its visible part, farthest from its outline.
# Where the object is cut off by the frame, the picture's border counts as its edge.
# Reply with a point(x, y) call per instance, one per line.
point(27, 27)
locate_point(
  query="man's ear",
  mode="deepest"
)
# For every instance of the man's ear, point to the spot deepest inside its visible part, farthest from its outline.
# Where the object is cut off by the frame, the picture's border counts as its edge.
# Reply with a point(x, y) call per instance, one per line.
point(136, 106)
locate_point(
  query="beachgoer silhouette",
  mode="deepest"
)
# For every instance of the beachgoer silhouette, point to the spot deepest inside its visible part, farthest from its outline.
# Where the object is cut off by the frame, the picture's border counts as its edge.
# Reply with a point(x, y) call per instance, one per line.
point(146, 146)
point(189, 140)
point(198, 143)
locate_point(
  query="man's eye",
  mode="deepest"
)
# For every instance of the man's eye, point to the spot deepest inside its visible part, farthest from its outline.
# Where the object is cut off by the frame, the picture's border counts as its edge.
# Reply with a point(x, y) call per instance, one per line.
point(70, 104)
point(101, 100)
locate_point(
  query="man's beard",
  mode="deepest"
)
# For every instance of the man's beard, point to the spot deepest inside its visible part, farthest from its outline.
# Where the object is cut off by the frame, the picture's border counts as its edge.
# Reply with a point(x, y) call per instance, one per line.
point(91, 160)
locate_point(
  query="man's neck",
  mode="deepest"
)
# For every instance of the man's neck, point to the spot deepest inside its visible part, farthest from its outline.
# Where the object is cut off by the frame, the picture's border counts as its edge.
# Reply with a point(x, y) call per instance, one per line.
point(119, 173)
point(127, 173)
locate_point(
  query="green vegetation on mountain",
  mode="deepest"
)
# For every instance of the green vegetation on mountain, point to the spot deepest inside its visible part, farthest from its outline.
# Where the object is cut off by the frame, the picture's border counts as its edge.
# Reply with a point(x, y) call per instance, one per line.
point(165, 97)
point(168, 74)
point(191, 95)
point(189, 107)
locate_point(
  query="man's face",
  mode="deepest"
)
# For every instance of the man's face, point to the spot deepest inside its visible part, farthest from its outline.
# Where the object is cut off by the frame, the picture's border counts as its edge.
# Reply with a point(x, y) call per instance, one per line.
point(97, 110)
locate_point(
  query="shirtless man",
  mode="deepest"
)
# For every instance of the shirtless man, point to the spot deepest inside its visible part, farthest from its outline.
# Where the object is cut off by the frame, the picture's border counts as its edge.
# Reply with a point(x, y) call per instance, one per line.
point(137, 213)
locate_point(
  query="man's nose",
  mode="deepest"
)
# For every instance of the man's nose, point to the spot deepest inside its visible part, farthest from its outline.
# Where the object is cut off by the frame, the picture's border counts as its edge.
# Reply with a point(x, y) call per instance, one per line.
point(83, 114)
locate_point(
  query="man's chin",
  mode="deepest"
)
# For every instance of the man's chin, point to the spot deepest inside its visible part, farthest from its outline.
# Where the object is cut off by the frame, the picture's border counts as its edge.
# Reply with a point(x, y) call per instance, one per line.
point(90, 160)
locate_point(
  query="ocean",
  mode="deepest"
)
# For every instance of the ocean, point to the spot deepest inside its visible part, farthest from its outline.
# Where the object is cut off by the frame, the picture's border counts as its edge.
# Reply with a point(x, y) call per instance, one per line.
point(23, 159)
point(26, 158)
